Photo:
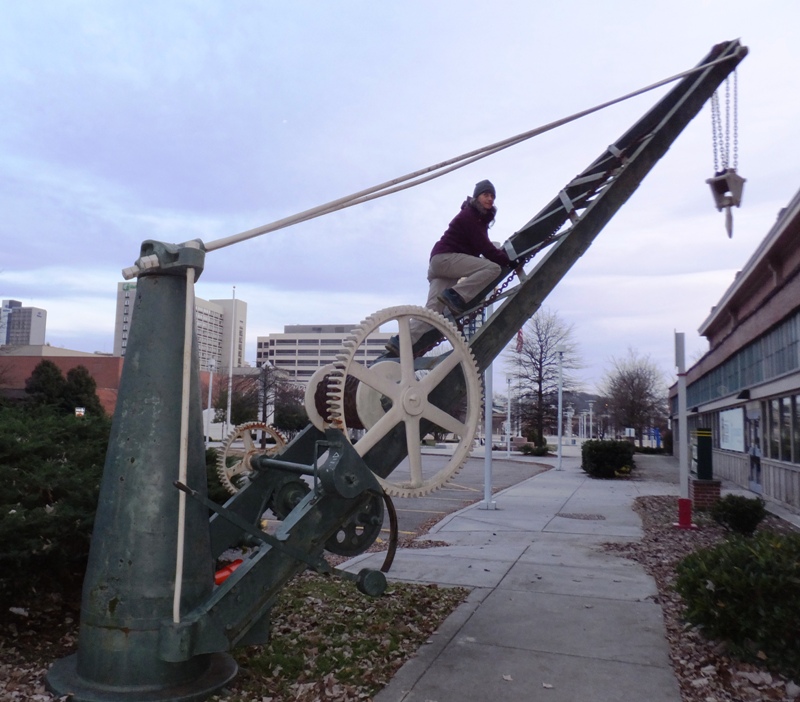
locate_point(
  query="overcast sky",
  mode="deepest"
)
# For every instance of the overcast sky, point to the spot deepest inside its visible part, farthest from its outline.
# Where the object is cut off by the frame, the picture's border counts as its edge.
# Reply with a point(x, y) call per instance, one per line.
point(174, 120)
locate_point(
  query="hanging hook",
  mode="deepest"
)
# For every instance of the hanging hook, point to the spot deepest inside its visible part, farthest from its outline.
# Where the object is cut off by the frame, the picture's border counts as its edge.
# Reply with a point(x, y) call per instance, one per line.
point(727, 187)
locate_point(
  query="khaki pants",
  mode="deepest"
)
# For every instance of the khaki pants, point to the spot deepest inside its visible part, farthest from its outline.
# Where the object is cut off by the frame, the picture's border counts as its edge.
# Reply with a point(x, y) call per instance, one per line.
point(466, 274)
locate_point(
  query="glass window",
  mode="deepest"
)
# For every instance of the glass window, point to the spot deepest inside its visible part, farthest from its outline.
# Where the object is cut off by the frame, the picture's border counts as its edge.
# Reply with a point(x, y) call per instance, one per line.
point(786, 428)
point(774, 428)
point(796, 429)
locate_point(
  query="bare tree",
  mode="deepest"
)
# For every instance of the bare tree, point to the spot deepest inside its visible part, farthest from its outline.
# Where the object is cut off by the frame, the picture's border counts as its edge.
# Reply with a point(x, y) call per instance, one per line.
point(635, 391)
point(269, 380)
point(244, 400)
point(534, 364)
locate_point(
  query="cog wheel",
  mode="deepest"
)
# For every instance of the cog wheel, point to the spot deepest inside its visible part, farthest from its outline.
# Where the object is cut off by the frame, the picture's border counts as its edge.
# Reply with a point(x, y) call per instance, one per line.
point(359, 532)
point(316, 397)
point(287, 497)
point(233, 461)
point(391, 392)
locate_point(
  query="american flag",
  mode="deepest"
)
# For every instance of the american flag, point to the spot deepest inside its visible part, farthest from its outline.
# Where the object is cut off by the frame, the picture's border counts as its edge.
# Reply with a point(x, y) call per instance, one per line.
point(519, 341)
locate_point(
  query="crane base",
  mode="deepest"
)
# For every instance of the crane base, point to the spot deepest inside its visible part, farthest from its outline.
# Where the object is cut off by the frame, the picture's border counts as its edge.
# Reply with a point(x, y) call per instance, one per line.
point(63, 679)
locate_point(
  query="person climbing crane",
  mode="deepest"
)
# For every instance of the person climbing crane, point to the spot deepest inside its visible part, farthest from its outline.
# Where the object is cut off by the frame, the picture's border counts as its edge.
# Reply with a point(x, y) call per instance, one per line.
point(463, 262)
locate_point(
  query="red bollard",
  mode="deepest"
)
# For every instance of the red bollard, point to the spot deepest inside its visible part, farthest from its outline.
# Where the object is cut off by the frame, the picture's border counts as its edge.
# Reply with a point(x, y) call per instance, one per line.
point(224, 573)
point(684, 514)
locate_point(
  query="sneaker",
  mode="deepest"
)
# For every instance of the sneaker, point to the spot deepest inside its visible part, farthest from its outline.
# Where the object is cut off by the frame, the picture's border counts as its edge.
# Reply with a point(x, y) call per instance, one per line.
point(393, 345)
point(452, 300)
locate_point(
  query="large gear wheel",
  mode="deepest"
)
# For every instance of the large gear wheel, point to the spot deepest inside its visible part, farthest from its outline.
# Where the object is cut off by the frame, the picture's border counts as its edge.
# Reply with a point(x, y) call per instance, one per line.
point(233, 460)
point(391, 392)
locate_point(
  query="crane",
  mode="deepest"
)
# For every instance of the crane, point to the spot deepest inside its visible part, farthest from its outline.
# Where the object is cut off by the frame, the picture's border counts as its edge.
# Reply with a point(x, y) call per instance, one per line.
point(154, 624)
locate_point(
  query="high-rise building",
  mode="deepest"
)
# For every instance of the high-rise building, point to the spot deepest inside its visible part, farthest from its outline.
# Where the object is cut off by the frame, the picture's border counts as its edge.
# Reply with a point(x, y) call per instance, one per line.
point(217, 324)
point(22, 326)
point(234, 318)
point(304, 348)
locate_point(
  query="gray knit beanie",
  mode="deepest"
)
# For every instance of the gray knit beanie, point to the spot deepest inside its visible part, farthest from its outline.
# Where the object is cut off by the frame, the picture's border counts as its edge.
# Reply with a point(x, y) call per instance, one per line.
point(485, 186)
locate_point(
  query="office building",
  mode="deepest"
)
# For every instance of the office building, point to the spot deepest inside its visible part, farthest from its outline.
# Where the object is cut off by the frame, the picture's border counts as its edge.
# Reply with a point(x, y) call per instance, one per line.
point(220, 326)
point(304, 348)
point(21, 326)
point(746, 388)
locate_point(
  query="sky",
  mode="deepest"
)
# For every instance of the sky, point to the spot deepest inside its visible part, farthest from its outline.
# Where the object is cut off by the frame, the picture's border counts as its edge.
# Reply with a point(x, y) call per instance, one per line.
point(173, 120)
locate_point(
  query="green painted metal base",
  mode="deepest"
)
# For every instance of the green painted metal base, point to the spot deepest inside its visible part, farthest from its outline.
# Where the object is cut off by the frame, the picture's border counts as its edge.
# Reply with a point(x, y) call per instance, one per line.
point(63, 679)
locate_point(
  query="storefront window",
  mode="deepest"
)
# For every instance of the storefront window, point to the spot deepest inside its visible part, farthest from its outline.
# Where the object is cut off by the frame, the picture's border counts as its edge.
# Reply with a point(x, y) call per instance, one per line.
point(774, 428)
point(786, 428)
point(796, 429)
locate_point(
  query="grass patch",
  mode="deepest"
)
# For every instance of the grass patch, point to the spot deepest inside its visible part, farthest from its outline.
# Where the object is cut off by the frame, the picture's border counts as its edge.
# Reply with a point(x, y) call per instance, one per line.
point(330, 642)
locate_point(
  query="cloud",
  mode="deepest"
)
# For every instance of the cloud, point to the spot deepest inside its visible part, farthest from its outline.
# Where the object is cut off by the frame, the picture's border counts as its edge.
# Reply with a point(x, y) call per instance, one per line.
point(124, 122)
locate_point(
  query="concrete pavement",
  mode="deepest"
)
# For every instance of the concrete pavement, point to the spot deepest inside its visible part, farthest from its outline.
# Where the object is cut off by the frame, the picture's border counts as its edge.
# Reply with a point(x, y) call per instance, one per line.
point(551, 615)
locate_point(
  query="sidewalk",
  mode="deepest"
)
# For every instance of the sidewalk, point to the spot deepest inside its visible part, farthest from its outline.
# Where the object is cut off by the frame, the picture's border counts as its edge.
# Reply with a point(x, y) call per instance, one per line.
point(551, 615)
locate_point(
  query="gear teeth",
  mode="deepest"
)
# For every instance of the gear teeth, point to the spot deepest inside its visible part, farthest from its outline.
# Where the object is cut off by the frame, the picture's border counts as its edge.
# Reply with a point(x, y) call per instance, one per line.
point(224, 471)
point(339, 379)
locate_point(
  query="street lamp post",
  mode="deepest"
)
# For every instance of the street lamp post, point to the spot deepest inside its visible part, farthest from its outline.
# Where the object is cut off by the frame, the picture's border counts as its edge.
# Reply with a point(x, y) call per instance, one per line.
point(570, 414)
point(508, 416)
point(488, 502)
point(211, 364)
point(560, 349)
point(234, 327)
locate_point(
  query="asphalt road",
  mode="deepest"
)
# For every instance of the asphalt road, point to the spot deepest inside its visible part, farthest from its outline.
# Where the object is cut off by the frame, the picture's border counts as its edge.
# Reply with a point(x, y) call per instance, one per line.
point(415, 515)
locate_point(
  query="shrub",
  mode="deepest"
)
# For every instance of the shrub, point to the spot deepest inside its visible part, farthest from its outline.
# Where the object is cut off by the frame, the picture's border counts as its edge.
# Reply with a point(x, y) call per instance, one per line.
point(537, 439)
point(607, 459)
point(747, 591)
point(534, 450)
point(216, 492)
point(51, 465)
point(739, 514)
point(50, 469)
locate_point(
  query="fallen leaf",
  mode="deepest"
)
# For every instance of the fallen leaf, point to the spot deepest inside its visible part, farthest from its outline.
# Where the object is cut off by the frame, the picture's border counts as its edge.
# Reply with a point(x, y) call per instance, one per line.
point(508, 677)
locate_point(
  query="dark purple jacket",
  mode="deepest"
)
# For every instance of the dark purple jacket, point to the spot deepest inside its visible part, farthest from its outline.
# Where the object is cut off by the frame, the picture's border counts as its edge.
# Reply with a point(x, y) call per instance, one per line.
point(468, 233)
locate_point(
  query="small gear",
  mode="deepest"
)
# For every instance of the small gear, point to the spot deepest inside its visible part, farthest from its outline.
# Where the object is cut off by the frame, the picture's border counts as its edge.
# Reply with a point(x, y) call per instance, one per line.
point(316, 397)
point(244, 442)
point(359, 532)
point(391, 392)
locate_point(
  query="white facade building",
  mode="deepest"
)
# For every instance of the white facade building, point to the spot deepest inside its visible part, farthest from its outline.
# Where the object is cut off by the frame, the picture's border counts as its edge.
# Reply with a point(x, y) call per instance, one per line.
point(304, 348)
point(22, 326)
point(215, 322)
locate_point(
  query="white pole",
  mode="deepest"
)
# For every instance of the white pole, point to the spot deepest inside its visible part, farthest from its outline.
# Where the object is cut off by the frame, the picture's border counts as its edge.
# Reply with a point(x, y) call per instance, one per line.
point(208, 404)
point(684, 503)
point(591, 423)
point(488, 502)
point(683, 425)
point(508, 417)
point(560, 350)
point(230, 362)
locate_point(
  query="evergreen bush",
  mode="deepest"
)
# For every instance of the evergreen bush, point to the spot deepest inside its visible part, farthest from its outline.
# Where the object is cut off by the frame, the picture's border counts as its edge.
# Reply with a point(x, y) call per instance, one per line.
point(738, 513)
point(607, 459)
point(51, 465)
point(746, 591)
point(50, 469)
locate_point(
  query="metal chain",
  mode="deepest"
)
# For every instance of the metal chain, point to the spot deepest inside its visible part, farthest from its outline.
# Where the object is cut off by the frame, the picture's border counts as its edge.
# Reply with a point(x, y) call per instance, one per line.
point(716, 129)
point(726, 149)
point(496, 294)
point(735, 119)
